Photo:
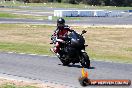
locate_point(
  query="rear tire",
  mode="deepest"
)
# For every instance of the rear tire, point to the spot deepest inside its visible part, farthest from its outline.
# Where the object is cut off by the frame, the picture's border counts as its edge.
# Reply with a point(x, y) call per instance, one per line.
point(85, 62)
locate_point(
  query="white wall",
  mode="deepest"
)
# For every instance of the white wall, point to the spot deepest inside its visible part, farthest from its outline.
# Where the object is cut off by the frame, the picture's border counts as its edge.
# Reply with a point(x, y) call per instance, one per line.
point(87, 13)
point(65, 13)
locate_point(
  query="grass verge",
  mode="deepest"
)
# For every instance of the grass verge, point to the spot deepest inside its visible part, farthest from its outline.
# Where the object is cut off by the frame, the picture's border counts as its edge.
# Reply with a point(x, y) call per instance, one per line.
point(11, 15)
point(23, 47)
point(9, 83)
point(22, 16)
point(13, 83)
point(108, 44)
point(14, 86)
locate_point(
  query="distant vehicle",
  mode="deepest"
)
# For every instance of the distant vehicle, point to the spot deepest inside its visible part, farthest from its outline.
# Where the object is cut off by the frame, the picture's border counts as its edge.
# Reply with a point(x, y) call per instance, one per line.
point(73, 50)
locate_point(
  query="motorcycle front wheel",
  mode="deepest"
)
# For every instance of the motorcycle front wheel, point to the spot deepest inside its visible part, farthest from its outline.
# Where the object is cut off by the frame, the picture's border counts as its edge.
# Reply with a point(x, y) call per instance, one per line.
point(64, 61)
point(85, 62)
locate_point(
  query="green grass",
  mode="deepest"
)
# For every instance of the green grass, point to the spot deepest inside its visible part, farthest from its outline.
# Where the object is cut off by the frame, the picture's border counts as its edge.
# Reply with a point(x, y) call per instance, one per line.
point(14, 86)
point(128, 49)
point(7, 15)
point(26, 48)
point(10, 15)
point(109, 57)
point(65, 5)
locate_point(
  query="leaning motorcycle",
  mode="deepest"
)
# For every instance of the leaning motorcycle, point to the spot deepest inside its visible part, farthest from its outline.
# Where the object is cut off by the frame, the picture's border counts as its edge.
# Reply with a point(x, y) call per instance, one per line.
point(73, 49)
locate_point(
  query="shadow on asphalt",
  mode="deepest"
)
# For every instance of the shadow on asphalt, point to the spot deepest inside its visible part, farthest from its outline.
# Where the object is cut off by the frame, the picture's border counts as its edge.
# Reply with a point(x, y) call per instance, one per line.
point(91, 68)
point(77, 66)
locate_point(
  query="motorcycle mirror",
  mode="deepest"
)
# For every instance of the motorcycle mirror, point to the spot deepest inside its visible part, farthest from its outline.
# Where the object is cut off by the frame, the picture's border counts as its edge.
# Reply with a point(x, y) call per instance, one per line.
point(84, 31)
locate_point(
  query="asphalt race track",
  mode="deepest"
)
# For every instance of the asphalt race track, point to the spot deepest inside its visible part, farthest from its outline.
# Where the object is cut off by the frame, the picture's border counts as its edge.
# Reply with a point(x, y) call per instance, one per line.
point(50, 69)
point(89, 21)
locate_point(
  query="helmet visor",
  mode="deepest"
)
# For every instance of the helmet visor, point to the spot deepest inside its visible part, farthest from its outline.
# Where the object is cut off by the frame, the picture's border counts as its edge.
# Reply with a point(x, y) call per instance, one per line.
point(61, 24)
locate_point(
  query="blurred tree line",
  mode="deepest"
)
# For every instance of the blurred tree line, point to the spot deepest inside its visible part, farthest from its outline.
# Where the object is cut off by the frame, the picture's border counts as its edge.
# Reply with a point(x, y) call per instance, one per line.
point(89, 2)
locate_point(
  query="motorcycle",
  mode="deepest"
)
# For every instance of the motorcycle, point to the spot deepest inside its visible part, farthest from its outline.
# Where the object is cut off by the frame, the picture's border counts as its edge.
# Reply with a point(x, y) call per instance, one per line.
point(72, 49)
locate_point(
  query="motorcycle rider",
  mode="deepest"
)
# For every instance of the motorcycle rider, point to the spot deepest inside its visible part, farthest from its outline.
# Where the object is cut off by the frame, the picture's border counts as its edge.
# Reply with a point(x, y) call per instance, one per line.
point(60, 33)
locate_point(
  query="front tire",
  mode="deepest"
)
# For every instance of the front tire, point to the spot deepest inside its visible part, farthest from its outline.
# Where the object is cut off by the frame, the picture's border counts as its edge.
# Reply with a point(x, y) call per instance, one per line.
point(65, 62)
point(64, 59)
point(85, 62)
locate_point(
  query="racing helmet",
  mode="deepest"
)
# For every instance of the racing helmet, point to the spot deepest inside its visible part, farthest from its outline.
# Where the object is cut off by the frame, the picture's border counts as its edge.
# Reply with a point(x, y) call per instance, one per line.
point(60, 22)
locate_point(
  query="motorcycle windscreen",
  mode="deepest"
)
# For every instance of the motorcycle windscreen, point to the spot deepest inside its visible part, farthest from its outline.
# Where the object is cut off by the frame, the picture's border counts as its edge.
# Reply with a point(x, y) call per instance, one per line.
point(76, 40)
